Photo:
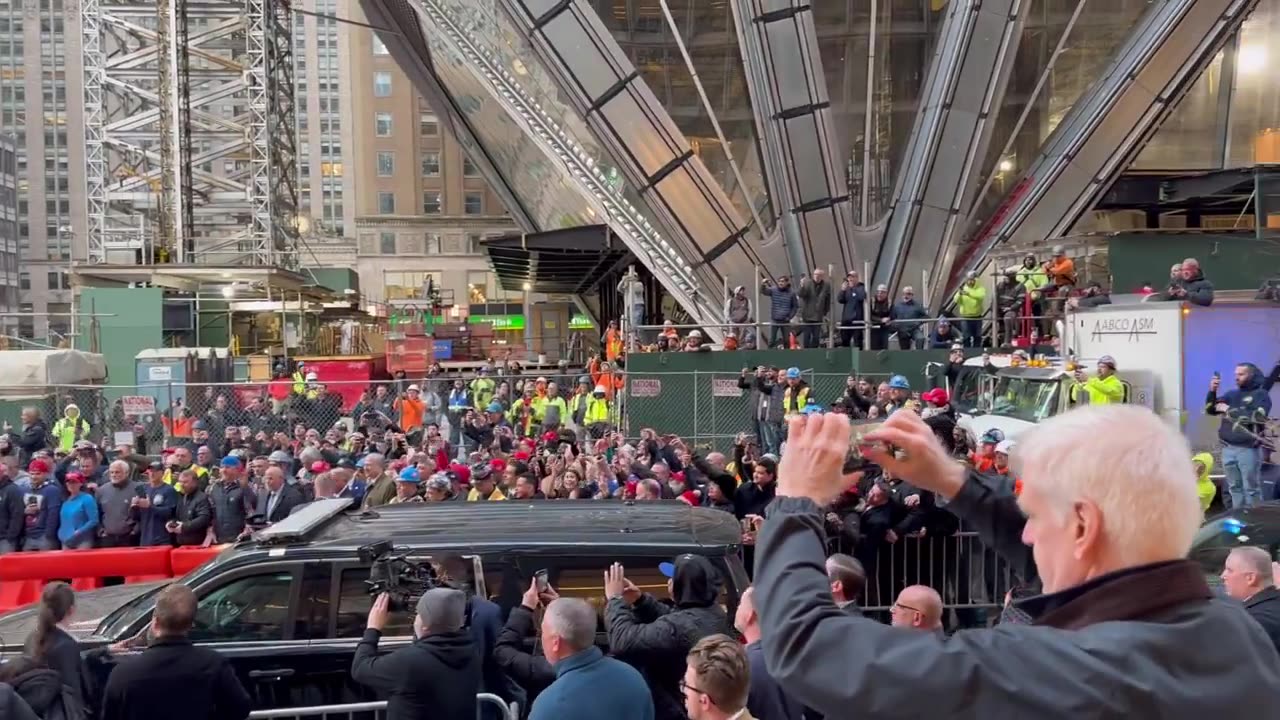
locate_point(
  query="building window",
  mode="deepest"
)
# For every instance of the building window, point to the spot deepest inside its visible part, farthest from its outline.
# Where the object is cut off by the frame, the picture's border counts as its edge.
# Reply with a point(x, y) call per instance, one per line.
point(477, 292)
point(428, 126)
point(433, 244)
point(431, 165)
point(408, 285)
point(473, 203)
point(24, 280)
point(382, 84)
point(382, 124)
point(386, 203)
point(473, 244)
point(387, 243)
point(431, 202)
point(58, 280)
point(386, 164)
point(469, 168)
point(379, 47)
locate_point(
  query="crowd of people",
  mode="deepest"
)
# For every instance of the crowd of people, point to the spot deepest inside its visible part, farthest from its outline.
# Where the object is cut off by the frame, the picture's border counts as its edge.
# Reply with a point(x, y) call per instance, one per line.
point(1026, 301)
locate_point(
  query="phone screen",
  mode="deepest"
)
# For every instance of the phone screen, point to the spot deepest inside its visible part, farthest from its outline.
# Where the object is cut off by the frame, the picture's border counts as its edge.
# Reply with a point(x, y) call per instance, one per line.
point(542, 578)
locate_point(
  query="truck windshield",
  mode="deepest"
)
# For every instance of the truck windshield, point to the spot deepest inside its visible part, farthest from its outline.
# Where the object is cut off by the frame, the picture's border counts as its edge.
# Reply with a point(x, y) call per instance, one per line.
point(1024, 398)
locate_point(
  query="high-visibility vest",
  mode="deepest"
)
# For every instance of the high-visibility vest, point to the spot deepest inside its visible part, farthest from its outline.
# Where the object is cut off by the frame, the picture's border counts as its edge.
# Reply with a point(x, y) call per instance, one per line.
point(65, 431)
point(481, 393)
point(299, 383)
point(171, 478)
point(802, 401)
point(597, 411)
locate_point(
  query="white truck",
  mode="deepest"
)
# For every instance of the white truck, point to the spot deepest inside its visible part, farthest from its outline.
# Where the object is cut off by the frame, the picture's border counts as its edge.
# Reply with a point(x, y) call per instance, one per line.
point(1166, 354)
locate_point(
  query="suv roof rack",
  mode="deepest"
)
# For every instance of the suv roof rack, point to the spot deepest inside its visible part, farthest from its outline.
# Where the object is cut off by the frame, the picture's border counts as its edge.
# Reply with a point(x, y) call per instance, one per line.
point(302, 522)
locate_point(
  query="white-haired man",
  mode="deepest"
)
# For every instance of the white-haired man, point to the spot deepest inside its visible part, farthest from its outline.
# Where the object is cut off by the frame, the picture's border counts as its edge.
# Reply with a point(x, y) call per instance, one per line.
point(588, 685)
point(1249, 577)
point(1128, 626)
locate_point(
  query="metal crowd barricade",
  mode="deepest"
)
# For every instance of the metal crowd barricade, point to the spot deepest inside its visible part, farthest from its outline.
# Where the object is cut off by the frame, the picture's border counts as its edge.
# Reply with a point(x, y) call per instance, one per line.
point(378, 710)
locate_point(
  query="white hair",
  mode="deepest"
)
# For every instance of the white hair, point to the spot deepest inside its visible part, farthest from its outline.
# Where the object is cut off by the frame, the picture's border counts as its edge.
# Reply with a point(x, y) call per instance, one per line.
point(1118, 457)
point(573, 621)
point(1255, 560)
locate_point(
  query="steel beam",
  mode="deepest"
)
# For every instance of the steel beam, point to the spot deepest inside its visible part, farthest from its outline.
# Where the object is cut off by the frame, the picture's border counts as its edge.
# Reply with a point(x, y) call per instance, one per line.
point(940, 176)
point(1170, 46)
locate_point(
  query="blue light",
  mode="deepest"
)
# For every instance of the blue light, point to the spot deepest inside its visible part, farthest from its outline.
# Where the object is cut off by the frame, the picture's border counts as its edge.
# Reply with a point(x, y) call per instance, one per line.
point(1233, 526)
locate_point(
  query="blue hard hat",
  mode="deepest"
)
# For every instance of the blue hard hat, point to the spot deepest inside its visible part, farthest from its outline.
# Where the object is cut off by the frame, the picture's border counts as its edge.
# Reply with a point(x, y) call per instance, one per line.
point(409, 474)
point(793, 373)
point(812, 408)
point(993, 436)
point(897, 382)
point(494, 407)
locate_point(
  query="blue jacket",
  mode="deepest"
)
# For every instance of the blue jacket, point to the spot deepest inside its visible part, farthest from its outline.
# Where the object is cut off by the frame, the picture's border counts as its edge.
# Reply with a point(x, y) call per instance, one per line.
point(151, 520)
point(44, 524)
point(78, 519)
point(590, 686)
point(1247, 410)
point(783, 304)
point(484, 620)
point(765, 698)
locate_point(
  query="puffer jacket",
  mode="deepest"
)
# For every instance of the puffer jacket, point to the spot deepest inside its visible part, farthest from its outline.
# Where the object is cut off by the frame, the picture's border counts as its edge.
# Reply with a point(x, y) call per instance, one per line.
point(1199, 290)
point(655, 638)
point(783, 304)
point(13, 707)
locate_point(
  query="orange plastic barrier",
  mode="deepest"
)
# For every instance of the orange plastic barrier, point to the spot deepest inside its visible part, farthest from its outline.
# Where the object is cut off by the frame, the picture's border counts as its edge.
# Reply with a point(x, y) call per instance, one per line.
point(23, 575)
point(185, 559)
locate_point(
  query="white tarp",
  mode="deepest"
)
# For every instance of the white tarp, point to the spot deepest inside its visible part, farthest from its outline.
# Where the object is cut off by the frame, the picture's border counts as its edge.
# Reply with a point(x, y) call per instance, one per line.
point(30, 371)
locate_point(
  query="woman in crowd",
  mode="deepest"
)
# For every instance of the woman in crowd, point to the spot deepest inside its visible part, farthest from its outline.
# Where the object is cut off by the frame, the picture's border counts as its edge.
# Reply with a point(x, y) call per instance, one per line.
point(50, 645)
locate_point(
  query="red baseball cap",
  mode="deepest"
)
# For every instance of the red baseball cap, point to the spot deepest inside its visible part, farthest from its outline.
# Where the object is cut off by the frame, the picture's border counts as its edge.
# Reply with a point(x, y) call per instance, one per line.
point(38, 466)
point(498, 464)
point(319, 466)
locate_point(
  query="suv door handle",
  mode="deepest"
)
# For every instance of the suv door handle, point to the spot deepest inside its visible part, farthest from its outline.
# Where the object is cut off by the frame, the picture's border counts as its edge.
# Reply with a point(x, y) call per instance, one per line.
point(271, 675)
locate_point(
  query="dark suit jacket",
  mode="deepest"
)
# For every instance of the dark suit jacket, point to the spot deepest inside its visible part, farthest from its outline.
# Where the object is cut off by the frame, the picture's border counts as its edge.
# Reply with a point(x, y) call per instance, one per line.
point(170, 674)
point(1265, 608)
point(290, 497)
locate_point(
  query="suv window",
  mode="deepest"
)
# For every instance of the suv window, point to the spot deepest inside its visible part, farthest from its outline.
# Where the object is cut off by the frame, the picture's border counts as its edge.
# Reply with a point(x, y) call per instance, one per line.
point(246, 609)
point(354, 602)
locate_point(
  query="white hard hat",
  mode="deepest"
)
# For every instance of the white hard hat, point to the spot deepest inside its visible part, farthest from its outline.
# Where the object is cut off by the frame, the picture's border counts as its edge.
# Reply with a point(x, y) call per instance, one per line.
point(600, 390)
point(695, 334)
point(415, 388)
point(312, 376)
point(1004, 446)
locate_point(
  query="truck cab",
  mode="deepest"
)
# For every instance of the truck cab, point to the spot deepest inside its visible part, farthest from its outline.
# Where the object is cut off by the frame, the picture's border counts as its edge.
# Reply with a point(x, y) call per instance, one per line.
point(1015, 398)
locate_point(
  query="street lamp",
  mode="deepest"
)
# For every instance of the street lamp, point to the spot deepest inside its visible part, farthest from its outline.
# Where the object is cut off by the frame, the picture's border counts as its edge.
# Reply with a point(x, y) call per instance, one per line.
point(528, 319)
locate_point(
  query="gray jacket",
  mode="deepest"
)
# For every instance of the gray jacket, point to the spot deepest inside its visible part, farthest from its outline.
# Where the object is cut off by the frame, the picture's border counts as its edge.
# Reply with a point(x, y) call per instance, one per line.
point(232, 506)
point(1151, 641)
point(115, 505)
point(815, 300)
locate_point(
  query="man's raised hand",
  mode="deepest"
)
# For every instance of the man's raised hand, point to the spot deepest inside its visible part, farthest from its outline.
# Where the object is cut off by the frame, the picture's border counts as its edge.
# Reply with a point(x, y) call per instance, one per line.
point(923, 461)
point(816, 448)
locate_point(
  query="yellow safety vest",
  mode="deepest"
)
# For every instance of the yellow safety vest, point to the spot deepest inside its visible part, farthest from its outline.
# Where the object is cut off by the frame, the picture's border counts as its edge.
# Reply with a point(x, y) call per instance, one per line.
point(299, 383)
point(786, 401)
point(65, 431)
point(171, 479)
point(597, 411)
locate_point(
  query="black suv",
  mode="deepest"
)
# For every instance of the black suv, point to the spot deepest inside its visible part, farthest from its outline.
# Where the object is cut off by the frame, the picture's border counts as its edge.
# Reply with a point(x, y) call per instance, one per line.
point(289, 605)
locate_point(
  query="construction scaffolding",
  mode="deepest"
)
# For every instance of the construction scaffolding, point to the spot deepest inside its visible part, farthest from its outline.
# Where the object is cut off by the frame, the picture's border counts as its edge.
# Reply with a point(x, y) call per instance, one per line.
point(190, 132)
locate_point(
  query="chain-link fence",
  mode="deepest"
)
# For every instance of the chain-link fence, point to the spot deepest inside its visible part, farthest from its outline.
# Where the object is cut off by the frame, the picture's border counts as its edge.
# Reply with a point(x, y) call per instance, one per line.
point(712, 407)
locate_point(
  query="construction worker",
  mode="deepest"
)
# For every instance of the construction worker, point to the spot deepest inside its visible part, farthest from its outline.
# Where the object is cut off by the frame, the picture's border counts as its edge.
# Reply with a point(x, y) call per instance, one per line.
point(796, 395)
point(597, 417)
point(1000, 466)
point(71, 428)
point(1103, 389)
point(970, 303)
point(578, 403)
point(482, 389)
point(550, 410)
point(984, 458)
point(300, 378)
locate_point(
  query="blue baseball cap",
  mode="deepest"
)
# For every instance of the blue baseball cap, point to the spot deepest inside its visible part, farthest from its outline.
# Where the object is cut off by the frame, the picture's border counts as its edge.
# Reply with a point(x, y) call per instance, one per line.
point(230, 461)
point(409, 475)
point(360, 463)
point(669, 568)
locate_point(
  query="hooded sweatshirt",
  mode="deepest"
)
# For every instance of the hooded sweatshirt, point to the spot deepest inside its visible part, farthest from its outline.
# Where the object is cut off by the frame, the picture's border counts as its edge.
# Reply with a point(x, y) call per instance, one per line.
point(436, 676)
point(1248, 407)
point(1204, 486)
point(656, 639)
point(738, 308)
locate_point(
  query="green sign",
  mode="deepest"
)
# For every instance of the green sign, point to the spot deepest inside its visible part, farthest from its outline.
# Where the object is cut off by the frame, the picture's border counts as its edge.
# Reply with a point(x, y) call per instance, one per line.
point(581, 322)
point(499, 322)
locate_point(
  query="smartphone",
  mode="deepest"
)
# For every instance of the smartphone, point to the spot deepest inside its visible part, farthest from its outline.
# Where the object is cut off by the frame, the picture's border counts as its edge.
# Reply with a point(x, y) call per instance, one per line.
point(543, 579)
point(1217, 375)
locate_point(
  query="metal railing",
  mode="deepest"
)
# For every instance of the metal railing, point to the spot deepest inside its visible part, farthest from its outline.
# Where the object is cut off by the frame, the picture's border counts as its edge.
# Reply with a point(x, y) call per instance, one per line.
point(372, 709)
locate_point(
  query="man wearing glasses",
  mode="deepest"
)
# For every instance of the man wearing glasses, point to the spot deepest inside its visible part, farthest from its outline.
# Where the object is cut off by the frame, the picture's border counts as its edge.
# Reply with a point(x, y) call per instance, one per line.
point(716, 680)
point(918, 607)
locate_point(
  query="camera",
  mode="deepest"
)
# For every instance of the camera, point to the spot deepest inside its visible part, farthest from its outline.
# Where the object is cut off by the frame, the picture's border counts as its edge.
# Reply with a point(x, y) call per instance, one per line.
point(391, 572)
